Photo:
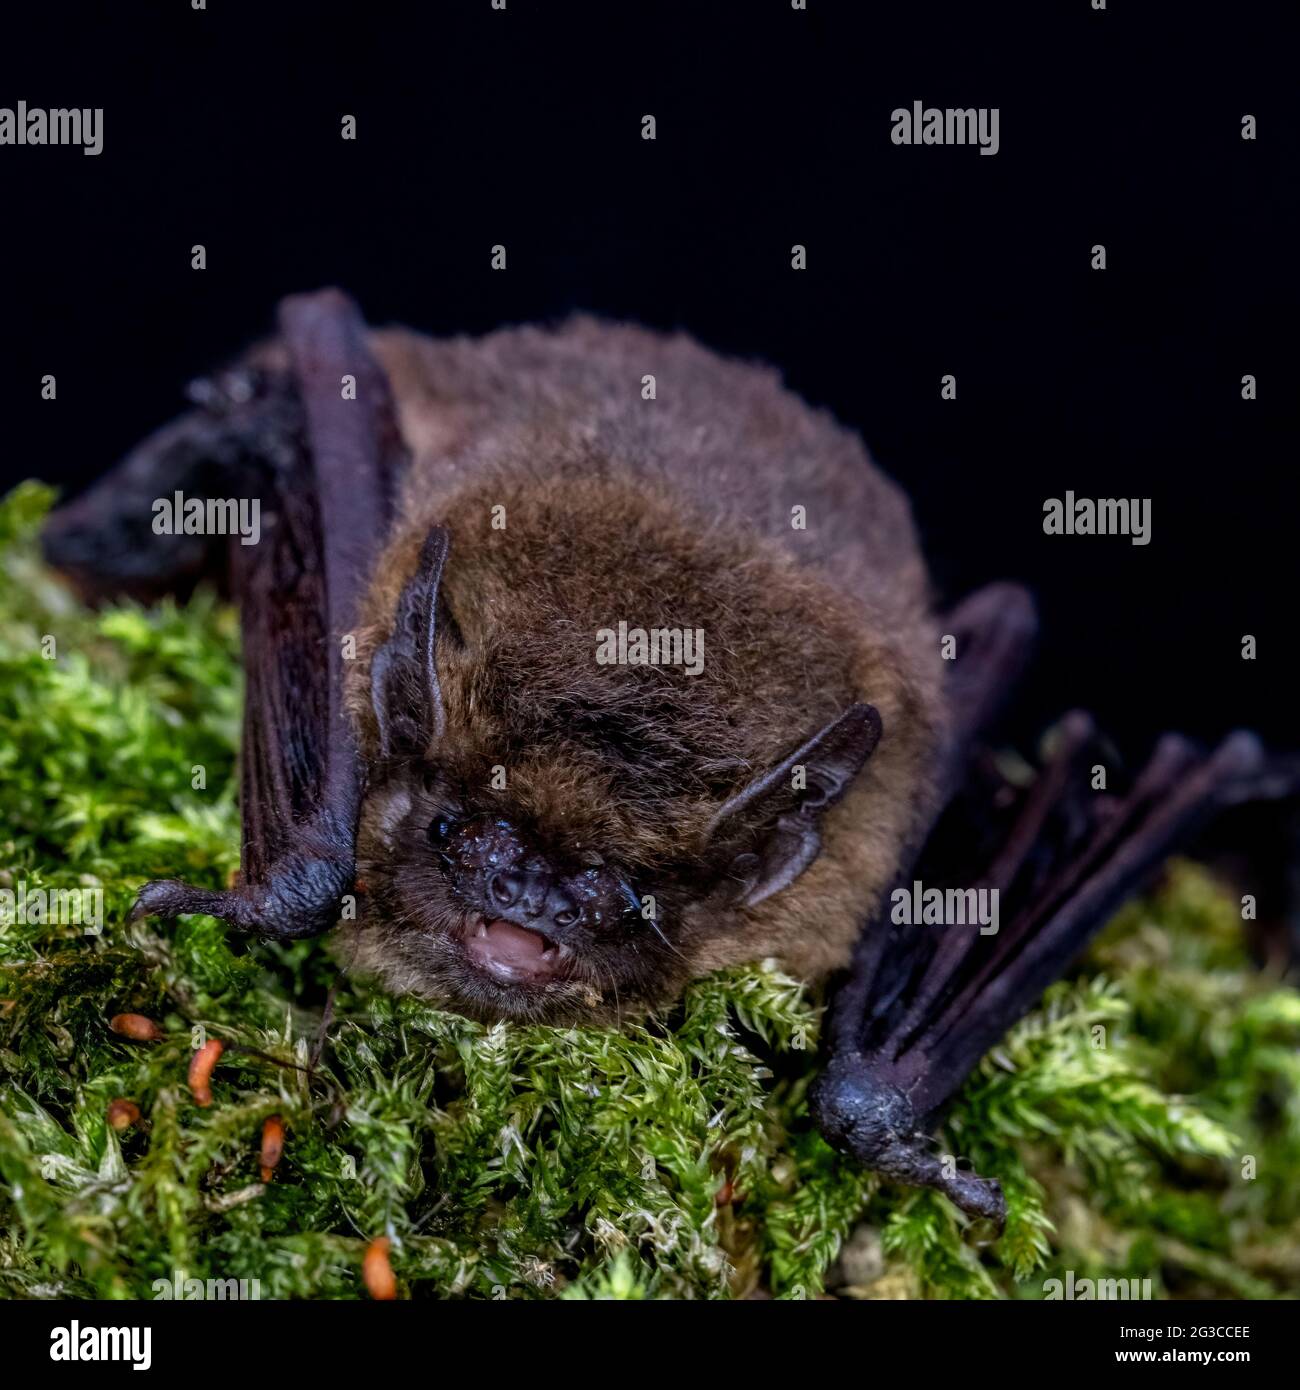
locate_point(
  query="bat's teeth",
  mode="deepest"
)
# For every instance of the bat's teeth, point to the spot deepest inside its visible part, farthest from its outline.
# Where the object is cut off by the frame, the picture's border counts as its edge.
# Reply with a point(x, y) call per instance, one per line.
point(480, 927)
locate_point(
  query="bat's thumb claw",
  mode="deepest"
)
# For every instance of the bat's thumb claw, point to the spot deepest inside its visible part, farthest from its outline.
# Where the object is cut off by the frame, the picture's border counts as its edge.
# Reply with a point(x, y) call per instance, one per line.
point(301, 898)
point(164, 897)
point(980, 1198)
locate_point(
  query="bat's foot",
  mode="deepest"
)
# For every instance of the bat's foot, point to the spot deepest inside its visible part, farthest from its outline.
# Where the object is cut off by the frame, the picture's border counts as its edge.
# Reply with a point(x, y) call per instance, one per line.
point(301, 897)
point(169, 897)
point(921, 1007)
point(875, 1123)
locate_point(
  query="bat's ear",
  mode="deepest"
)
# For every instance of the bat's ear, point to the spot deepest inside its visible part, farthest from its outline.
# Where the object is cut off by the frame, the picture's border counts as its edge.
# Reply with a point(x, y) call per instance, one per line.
point(787, 801)
point(404, 689)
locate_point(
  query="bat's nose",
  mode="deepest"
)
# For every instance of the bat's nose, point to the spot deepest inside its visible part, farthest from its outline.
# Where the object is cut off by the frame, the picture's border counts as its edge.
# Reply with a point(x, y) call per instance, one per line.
point(531, 898)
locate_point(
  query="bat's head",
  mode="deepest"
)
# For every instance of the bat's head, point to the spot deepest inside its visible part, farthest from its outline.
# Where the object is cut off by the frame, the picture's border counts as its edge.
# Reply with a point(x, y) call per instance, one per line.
point(487, 915)
point(512, 904)
point(552, 839)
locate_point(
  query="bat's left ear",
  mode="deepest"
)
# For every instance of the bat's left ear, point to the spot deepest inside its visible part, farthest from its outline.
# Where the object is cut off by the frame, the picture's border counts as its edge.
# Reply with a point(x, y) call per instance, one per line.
point(794, 794)
point(404, 691)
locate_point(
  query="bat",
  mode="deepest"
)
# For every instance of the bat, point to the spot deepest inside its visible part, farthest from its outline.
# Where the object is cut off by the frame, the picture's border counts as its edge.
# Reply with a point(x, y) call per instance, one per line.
point(582, 662)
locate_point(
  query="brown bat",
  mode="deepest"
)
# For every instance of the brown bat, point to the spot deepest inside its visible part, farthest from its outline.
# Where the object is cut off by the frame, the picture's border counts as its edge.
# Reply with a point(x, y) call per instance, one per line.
point(583, 662)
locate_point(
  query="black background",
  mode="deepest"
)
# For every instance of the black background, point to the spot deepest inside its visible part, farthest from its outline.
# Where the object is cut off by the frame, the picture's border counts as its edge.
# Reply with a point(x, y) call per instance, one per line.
point(523, 127)
point(332, 1341)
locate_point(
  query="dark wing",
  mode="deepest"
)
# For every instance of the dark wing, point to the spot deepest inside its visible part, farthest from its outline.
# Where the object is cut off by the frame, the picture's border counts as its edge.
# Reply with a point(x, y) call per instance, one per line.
point(922, 1004)
point(310, 433)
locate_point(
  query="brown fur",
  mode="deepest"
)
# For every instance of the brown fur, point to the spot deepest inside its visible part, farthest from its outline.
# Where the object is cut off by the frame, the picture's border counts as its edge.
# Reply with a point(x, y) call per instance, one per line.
point(673, 512)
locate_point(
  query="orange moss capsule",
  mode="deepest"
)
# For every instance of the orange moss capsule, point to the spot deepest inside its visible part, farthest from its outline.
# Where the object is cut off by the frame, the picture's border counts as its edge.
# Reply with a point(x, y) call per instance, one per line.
point(376, 1270)
point(122, 1114)
point(272, 1145)
point(136, 1027)
point(201, 1065)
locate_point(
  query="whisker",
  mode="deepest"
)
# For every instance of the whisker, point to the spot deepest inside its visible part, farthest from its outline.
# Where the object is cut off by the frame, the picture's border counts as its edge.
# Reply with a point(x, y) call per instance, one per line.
point(658, 930)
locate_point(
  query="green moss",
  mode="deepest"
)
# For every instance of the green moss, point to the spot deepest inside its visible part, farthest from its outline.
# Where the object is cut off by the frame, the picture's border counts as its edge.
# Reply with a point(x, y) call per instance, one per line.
point(533, 1162)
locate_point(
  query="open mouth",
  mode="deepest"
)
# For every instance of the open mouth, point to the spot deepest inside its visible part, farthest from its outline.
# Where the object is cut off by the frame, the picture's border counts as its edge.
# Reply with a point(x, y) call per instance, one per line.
point(513, 955)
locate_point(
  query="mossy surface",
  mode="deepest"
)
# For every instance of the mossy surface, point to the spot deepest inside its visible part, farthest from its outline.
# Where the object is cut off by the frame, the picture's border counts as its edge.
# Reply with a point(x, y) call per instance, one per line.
point(1145, 1120)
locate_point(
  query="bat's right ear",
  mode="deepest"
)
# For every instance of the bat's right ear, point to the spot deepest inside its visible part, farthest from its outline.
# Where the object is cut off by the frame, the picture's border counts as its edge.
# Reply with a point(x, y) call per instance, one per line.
point(786, 803)
point(404, 689)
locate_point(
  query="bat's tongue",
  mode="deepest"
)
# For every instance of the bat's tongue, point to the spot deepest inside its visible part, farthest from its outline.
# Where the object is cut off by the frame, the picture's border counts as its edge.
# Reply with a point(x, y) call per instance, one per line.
point(512, 954)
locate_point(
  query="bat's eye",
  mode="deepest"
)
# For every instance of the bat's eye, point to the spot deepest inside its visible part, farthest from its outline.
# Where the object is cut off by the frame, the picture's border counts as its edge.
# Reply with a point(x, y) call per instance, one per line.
point(566, 918)
point(441, 829)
